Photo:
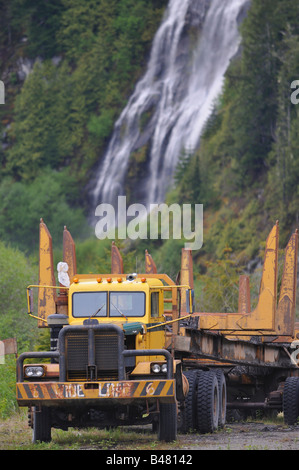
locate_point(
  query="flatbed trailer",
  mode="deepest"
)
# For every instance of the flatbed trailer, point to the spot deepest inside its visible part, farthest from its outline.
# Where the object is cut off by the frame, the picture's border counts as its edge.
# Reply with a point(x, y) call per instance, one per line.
point(255, 349)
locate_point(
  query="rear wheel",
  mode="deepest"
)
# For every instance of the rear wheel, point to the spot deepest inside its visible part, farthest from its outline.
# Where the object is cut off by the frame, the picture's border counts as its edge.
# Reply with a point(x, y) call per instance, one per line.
point(207, 402)
point(222, 397)
point(188, 411)
point(291, 400)
point(168, 422)
point(41, 424)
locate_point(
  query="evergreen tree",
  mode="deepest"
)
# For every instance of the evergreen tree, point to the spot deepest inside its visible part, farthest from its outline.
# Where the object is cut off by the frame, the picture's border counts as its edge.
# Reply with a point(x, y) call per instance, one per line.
point(256, 107)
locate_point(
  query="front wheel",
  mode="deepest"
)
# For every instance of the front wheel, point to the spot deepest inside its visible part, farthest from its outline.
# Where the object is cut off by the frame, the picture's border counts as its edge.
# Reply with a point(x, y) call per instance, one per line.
point(41, 424)
point(168, 422)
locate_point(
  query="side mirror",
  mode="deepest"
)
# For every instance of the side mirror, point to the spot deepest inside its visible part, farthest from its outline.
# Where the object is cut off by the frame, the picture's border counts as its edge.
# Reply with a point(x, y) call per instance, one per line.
point(30, 302)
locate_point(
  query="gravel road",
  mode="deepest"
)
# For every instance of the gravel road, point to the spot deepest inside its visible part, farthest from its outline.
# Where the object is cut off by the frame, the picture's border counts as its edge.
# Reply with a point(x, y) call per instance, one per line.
point(245, 436)
point(236, 436)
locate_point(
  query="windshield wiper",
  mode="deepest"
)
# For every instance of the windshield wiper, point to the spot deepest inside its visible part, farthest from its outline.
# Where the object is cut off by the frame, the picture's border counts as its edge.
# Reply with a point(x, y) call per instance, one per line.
point(99, 309)
point(122, 314)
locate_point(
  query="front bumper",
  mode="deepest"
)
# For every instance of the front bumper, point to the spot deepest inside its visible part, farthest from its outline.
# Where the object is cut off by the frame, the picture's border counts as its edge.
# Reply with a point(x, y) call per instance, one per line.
point(102, 394)
point(90, 391)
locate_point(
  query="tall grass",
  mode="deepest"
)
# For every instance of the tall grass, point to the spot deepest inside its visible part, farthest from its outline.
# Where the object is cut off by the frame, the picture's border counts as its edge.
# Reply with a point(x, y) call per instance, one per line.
point(8, 403)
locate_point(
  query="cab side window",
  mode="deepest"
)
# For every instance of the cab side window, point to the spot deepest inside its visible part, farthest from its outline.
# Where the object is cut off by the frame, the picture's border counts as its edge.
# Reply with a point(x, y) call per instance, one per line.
point(154, 304)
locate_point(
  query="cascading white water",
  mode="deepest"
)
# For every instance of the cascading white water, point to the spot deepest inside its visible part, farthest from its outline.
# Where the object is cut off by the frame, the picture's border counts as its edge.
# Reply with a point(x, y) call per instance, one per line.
point(175, 96)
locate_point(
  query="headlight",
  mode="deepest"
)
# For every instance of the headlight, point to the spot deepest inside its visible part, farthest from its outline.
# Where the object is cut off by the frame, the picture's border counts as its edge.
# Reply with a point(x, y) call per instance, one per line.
point(34, 371)
point(156, 368)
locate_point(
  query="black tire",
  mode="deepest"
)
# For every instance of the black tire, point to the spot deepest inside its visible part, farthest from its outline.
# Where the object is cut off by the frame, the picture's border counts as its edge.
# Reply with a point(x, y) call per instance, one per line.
point(188, 410)
point(168, 422)
point(222, 397)
point(207, 402)
point(290, 401)
point(41, 424)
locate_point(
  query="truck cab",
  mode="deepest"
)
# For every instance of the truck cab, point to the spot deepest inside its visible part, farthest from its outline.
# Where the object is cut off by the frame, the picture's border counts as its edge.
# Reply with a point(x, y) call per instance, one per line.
point(133, 304)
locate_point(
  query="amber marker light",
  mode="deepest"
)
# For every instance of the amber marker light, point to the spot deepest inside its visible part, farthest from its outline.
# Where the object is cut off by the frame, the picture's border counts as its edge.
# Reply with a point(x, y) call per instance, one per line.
point(99, 279)
point(76, 280)
point(119, 279)
point(143, 279)
point(109, 279)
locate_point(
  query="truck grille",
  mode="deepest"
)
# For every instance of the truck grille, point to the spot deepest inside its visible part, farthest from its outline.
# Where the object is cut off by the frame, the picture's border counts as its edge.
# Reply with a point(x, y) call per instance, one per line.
point(97, 352)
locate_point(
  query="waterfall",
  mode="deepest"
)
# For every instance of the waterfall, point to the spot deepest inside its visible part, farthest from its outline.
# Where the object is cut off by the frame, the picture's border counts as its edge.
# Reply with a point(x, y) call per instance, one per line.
point(172, 101)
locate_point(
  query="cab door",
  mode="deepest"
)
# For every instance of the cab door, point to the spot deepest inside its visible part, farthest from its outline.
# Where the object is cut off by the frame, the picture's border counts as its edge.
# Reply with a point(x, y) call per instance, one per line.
point(157, 335)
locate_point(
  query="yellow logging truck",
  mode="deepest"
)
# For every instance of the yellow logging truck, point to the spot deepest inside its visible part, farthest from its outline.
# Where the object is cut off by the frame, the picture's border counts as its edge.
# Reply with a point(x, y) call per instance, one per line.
point(129, 349)
point(108, 364)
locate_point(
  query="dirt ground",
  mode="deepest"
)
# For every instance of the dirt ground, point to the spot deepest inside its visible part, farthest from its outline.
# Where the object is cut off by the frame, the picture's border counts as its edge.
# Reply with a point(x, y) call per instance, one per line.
point(16, 435)
point(245, 436)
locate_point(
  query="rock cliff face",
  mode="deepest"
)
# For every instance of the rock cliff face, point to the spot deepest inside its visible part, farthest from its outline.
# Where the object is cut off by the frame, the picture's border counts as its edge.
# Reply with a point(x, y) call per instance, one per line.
point(171, 103)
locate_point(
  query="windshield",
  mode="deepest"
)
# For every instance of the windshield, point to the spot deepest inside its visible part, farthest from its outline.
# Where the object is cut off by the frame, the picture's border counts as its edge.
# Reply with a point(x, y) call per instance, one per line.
point(121, 304)
point(128, 304)
point(88, 304)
